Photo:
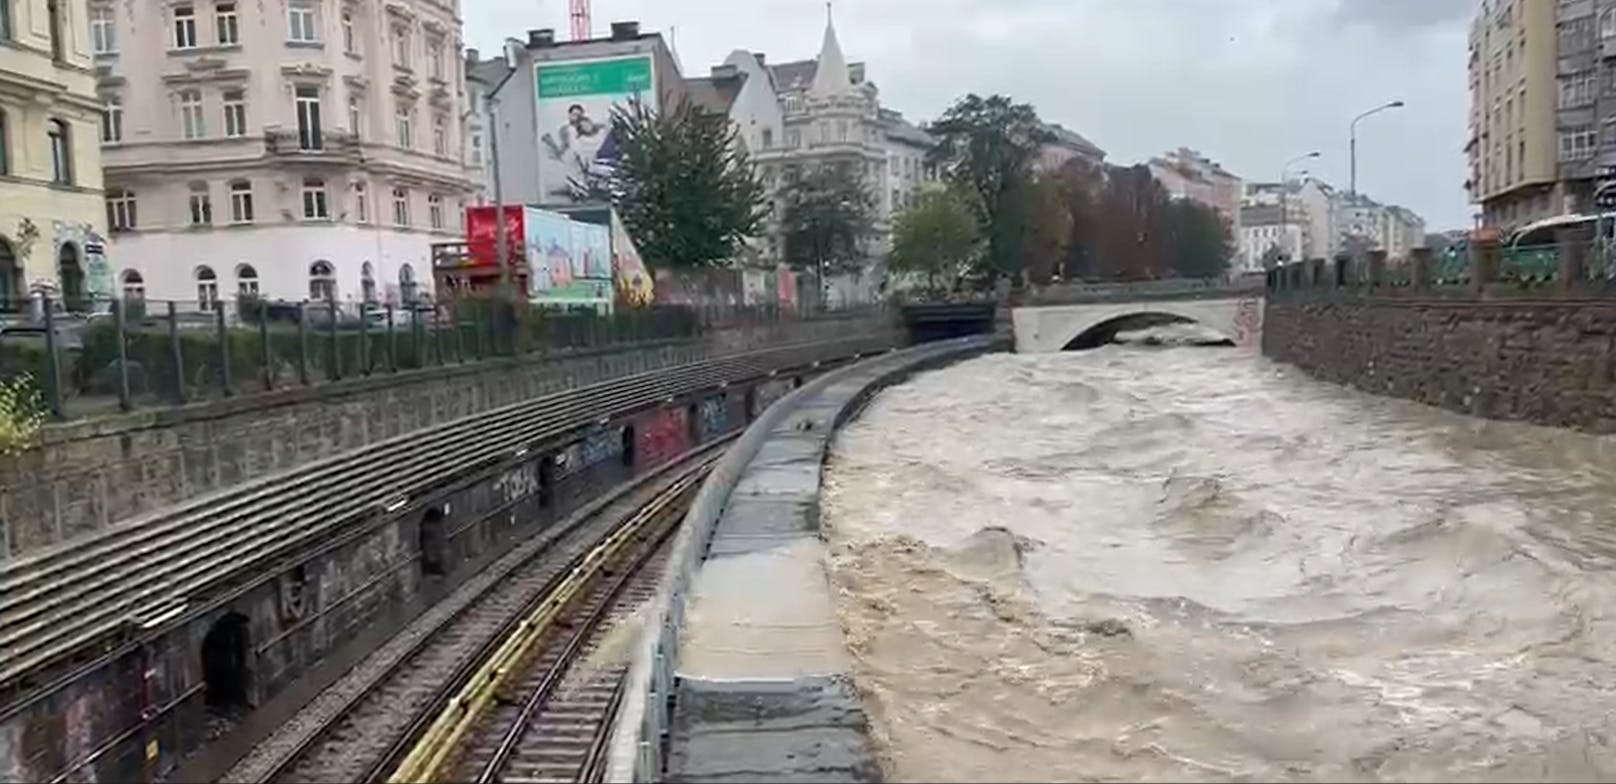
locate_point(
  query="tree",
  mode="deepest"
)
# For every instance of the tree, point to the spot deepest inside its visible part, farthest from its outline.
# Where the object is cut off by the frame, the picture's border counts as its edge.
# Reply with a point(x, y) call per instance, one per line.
point(936, 238)
point(1049, 228)
point(1082, 184)
point(1198, 241)
point(988, 148)
point(684, 186)
point(1132, 226)
point(828, 215)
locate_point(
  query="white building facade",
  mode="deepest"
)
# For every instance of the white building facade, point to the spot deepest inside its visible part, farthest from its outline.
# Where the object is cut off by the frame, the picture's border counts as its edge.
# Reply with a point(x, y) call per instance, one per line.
point(1269, 237)
point(290, 150)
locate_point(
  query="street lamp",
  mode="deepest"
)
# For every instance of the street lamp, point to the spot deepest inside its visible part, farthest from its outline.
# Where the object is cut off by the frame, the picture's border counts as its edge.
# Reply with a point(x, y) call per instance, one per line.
point(1284, 190)
point(1352, 133)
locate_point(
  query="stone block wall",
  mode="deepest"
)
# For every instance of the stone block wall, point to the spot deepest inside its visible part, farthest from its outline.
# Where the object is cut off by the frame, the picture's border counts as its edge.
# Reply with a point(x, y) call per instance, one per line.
point(1548, 360)
point(89, 475)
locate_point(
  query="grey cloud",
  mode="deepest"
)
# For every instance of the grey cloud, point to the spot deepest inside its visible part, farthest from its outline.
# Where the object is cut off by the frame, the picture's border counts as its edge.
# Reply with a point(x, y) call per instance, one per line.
point(1249, 82)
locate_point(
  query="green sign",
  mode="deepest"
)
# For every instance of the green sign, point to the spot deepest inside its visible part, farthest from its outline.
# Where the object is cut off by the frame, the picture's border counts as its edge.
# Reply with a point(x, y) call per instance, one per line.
point(595, 78)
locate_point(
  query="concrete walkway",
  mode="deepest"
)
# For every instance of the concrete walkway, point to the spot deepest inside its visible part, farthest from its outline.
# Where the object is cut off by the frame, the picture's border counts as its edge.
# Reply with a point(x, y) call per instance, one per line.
point(764, 690)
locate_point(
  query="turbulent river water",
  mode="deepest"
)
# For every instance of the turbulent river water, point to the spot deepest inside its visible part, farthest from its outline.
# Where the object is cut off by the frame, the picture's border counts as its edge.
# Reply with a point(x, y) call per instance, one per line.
point(1168, 563)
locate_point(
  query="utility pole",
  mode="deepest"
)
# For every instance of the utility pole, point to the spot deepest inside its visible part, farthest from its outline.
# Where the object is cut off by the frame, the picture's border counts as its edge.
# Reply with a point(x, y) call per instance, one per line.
point(1284, 191)
point(1352, 143)
point(501, 243)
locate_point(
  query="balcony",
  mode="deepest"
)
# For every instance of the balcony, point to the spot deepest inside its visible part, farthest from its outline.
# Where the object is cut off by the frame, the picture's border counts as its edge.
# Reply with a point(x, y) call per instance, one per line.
point(319, 146)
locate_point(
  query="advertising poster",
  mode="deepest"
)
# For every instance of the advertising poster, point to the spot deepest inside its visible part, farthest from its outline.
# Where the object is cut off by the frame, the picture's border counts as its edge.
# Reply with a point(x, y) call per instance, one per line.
point(632, 279)
point(598, 251)
point(580, 250)
point(786, 286)
point(482, 233)
point(549, 249)
point(577, 153)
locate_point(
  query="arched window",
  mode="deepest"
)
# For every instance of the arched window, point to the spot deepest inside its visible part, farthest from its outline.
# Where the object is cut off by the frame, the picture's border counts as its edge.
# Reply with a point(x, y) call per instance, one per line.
point(11, 292)
point(71, 274)
point(134, 286)
point(322, 282)
point(246, 281)
point(5, 143)
point(367, 282)
point(207, 288)
point(61, 151)
point(406, 284)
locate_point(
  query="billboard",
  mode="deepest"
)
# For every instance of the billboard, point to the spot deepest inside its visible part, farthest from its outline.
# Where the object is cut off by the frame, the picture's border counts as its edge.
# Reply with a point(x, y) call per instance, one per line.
point(577, 153)
point(632, 279)
point(549, 249)
point(482, 233)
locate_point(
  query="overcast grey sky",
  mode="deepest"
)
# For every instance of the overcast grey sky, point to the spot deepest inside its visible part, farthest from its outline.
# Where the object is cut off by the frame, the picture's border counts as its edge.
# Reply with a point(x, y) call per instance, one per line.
point(1250, 83)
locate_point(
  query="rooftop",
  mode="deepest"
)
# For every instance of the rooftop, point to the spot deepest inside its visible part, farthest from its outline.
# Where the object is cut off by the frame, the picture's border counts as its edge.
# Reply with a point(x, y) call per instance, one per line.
point(715, 94)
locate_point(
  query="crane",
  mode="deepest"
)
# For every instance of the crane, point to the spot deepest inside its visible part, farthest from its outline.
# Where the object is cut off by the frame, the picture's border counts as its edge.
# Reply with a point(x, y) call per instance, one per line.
point(580, 20)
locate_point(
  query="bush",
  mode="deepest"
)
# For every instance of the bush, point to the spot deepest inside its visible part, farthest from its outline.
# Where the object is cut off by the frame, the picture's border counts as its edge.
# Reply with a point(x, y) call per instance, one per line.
point(22, 414)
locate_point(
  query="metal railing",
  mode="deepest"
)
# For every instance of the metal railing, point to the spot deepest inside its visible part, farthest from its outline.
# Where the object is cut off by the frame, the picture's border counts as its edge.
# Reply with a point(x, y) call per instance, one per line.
point(1584, 268)
point(90, 357)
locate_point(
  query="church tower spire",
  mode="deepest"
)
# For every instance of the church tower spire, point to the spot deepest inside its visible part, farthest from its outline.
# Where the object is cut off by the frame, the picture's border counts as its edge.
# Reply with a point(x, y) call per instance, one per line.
point(831, 76)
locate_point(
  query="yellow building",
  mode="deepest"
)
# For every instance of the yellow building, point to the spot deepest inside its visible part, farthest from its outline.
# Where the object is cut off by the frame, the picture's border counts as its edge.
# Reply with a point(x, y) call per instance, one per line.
point(52, 214)
point(1513, 93)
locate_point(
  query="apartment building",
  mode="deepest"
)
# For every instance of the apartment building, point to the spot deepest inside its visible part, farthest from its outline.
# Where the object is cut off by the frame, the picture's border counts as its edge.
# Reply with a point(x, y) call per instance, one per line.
point(1517, 141)
point(290, 149)
point(51, 227)
point(1187, 174)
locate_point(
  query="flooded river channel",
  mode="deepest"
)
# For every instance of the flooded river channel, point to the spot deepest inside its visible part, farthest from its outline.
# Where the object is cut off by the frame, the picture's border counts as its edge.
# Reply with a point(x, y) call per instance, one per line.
point(1168, 563)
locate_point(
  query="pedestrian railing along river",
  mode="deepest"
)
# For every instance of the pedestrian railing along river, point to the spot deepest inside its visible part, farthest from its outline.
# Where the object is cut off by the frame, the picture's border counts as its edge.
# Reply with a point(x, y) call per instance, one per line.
point(1577, 269)
point(99, 357)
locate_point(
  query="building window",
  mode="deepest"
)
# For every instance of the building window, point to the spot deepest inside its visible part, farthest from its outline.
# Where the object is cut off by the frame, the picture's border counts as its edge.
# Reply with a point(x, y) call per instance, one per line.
point(314, 206)
point(440, 134)
point(322, 282)
point(350, 42)
point(308, 118)
point(1577, 143)
point(134, 286)
point(355, 114)
point(401, 207)
point(768, 138)
point(61, 151)
point(112, 120)
point(5, 21)
point(434, 59)
point(476, 149)
point(224, 24)
point(120, 209)
point(184, 27)
point(402, 126)
point(191, 121)
point(235, 113)
point(361, 203)
point(367, 282)
point(53, 20)
point(434, 210)
point(201, 205)
point(406, 284)
point(246, 281)
point(401, 46)
point(302, 21)
point(1607, 24)
point(5, 142)
point(103, 31)
point(207, 288)
point(241, 202)
point(1575, 90)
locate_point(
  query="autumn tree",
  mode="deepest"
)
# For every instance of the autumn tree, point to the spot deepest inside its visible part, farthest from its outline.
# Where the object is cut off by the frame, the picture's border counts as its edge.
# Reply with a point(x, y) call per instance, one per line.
point(936, 239)
point(1198, 240)
point(987, 147)
point(683, 185)
point(1049, 228)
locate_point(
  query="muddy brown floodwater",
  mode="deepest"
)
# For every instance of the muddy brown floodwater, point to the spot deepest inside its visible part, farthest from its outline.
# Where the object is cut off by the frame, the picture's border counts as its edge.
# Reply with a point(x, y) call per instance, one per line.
point(1174, 563)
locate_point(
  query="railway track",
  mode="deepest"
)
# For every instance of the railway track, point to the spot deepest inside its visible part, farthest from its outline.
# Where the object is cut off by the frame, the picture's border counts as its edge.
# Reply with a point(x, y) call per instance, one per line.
point(363, 726)
point(84, 598)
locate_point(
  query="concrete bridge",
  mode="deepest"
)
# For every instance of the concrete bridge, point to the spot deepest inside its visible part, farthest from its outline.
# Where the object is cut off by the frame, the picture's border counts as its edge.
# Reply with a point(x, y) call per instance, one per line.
point(1086, 316)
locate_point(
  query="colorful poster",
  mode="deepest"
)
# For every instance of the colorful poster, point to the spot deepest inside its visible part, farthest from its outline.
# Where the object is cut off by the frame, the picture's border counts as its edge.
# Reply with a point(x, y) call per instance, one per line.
point(580, 250)
point(632, 279)
point(549, 249)
point(597, 253)
point(786, 286)
point(577, 152)
point(482, 233)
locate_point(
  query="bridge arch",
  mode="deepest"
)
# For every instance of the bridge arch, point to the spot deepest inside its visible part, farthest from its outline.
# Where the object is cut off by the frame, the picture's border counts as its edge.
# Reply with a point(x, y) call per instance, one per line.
point(1103, 332)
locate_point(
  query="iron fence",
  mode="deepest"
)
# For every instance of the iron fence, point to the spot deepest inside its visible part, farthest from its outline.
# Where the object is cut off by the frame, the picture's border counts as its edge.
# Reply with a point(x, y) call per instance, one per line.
point(1580, 268)
point(86, 357)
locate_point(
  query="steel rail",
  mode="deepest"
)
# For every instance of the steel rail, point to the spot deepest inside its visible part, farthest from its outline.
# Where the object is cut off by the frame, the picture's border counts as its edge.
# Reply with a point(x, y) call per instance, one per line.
point(432, 750)
point(693, 465)
point(336, 489)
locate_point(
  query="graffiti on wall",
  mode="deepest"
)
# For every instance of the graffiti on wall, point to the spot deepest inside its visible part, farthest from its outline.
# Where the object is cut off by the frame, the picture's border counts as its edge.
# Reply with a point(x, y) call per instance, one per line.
point(661, 436)
point(714, 414)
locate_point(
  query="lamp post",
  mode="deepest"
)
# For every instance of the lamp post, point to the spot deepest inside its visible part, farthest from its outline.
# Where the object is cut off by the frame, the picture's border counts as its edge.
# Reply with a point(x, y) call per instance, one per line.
point(1352, 143)
point(1285, 188)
